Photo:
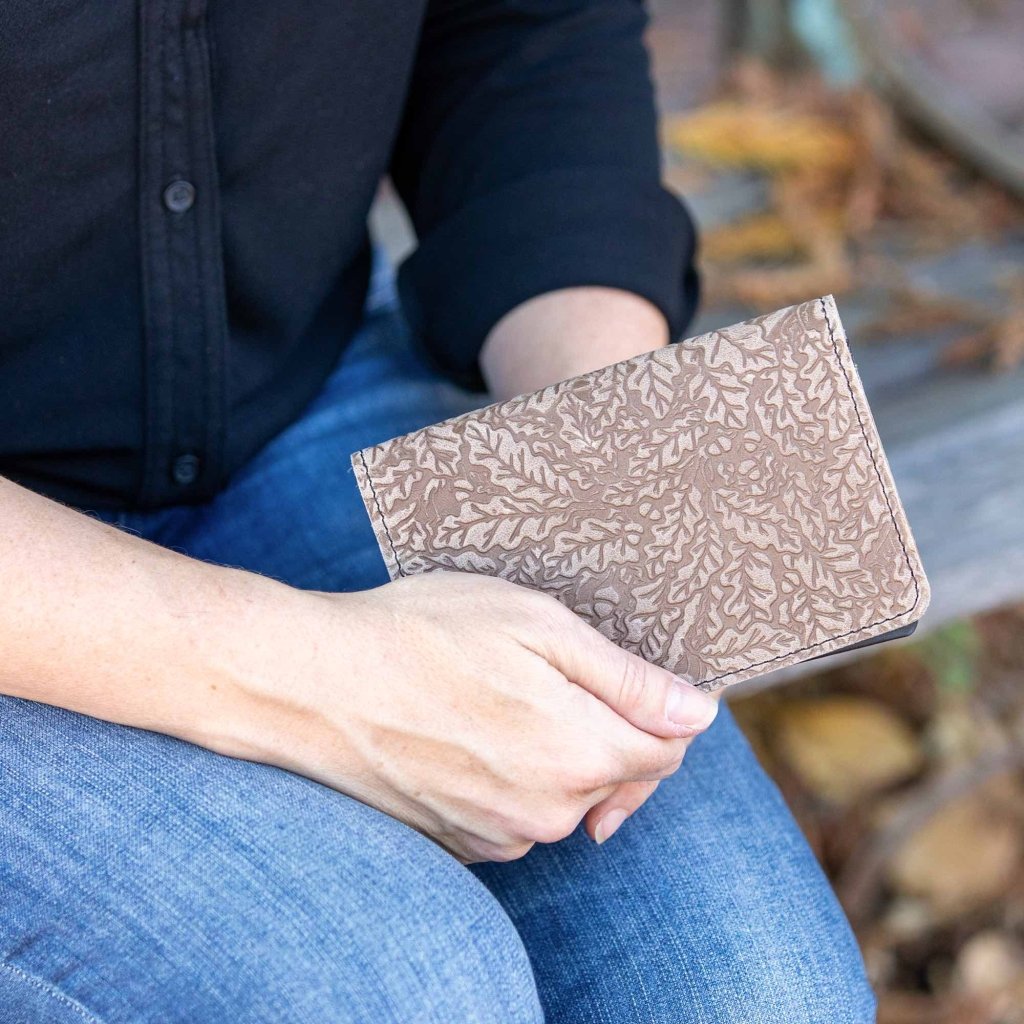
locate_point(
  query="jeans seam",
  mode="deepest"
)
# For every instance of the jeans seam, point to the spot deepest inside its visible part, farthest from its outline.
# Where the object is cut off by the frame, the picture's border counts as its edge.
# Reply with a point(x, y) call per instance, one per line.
point(516, 953)
point(52, 992)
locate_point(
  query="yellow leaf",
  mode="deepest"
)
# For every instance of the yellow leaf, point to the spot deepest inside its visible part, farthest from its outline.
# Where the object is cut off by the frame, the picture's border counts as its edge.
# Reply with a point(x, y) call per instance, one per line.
point(761, 236)
point(843, 748)
point(963, 856)
point(747, 135)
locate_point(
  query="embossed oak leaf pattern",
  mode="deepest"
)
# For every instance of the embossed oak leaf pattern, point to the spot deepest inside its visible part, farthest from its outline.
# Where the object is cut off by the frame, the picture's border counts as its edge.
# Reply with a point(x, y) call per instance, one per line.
point(721, 506)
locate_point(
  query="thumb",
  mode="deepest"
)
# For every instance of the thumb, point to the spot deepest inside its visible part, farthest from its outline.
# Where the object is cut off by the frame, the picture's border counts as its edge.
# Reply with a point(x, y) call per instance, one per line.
point(648, 697)
point(605, 818)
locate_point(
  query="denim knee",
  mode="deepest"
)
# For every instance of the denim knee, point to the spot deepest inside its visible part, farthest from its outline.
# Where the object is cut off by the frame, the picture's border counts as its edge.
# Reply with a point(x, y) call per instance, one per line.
point(469, 968)
point(465, 962)
point(149, 880)
point(450, 956)
point(788, 983)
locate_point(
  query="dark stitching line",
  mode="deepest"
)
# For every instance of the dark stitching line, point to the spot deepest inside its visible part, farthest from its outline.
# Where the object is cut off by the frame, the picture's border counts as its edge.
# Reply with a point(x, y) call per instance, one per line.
point(380, 512)
point(892, 515)
point(871, 452)
point(881, 484)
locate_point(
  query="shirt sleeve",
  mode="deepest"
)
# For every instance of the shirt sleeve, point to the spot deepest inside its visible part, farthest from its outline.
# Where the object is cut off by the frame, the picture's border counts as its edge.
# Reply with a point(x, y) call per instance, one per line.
point(528, 160)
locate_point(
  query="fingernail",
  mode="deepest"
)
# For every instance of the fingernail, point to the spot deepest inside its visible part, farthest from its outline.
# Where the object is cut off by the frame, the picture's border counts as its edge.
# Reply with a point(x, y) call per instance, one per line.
point(609, 825)
point(689, 706)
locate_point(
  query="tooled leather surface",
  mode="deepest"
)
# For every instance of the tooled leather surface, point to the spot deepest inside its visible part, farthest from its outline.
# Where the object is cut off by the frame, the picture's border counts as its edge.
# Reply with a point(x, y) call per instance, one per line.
point(721, 506)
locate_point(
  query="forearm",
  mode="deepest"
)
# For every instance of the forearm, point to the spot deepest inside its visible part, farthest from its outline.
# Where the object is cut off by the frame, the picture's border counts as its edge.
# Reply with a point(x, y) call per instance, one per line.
point(101, 622)
point(567, 332)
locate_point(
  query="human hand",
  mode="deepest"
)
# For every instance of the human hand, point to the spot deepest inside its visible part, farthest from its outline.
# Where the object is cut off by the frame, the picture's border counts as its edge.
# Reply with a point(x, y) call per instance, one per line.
point(485, 715)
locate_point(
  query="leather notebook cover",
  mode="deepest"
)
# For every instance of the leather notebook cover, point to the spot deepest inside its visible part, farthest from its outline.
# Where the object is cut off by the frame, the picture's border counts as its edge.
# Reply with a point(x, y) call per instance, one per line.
point(722, 506)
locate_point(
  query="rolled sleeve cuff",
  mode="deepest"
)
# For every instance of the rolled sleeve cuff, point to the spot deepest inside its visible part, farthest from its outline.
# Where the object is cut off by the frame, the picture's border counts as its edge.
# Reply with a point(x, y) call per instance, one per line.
point(562, 229)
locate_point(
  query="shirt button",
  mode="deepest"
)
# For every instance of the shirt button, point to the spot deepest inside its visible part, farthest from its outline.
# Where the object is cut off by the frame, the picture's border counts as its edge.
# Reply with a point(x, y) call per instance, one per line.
point(179, 196)
point(185, 470)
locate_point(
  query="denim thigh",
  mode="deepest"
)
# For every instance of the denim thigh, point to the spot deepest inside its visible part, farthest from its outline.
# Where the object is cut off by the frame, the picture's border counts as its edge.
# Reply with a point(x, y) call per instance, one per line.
point(707, 906)
point(145, 880)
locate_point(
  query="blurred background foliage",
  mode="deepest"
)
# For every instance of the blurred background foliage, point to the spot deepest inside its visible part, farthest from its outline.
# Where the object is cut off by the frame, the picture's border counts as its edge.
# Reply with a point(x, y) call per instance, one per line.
point(876, 151)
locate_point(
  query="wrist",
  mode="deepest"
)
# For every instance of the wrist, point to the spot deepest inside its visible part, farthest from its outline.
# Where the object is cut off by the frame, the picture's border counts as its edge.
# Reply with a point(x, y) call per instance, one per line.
point(256, 645)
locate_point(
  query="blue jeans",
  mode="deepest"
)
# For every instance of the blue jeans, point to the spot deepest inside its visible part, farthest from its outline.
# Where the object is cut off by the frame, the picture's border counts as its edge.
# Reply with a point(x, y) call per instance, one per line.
point(145, 880)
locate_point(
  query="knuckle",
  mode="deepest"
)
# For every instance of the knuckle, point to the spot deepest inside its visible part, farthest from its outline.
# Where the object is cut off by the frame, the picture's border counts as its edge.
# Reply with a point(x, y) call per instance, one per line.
point(482, 851)
point(633, 684)
point(543, 617)
point(676, 756)
point(512, 851)
point(675, 763)
point(660, 761)
point(595, 772)
point(554, 827)
point(541, 606)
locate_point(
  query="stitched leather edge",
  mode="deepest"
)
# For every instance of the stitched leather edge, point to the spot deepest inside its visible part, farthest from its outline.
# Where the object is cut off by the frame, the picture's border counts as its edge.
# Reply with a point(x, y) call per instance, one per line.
point(380, 513)
point(871, 452)
point(881, 483)
point(892, 516)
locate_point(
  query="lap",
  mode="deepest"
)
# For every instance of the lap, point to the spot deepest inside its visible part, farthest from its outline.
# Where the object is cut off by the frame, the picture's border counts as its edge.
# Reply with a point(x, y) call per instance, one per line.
point(147, 880)
point(144, 879)
point(706, 906)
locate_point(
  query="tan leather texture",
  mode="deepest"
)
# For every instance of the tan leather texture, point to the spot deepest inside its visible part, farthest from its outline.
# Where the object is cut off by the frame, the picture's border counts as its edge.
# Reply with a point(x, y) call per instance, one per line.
point(722, 506)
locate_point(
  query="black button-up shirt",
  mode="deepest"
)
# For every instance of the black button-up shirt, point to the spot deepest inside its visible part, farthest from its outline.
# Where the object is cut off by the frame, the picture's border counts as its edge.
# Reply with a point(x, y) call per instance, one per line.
point(183, 195)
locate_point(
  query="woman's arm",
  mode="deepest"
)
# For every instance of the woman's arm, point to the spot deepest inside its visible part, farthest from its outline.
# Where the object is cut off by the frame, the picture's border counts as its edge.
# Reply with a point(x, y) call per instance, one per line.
point(485, 715)
point(528, 159)
point(564, 333)
point(101, 622)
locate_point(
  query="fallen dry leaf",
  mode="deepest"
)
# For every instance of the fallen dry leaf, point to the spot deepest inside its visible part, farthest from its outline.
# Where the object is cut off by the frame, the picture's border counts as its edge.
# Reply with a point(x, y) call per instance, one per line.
point(760, 236)
point(844, 748)
point(1008, 341)
point(999, 343)
point(966, 854)
point(968, 349)
point(736, 134)
point(911, 311)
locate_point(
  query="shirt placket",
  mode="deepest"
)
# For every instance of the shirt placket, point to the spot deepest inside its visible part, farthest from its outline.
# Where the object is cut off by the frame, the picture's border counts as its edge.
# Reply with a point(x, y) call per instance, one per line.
point(183, 279)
